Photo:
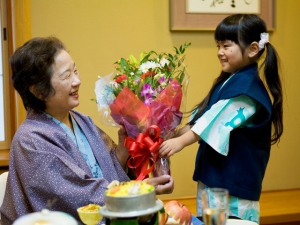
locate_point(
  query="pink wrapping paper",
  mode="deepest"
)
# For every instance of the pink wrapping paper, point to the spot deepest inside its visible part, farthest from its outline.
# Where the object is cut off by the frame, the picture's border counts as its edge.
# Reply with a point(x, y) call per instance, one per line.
point(164, 111)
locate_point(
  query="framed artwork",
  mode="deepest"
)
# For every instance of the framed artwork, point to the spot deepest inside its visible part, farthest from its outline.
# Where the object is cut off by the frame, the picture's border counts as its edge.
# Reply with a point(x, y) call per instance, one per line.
point(205, 15)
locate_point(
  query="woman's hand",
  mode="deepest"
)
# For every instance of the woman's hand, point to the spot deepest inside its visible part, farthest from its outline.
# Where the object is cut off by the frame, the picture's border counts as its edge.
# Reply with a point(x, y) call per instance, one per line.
point(163, 184)
point(121, 150)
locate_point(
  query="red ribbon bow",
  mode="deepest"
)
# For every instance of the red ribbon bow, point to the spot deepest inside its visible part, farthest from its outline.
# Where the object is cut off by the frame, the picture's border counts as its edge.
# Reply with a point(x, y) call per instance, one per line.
point(143, 151)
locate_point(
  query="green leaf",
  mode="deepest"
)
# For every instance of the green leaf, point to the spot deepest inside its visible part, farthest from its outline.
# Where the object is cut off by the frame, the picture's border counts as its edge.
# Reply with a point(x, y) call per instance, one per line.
point(180, 48)
point(133, 59)
point(93, 100)
point(176, 50)
point(123, 65)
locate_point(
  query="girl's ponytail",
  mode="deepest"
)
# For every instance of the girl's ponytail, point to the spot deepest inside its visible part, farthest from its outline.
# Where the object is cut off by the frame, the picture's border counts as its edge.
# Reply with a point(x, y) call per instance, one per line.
point(273, 82)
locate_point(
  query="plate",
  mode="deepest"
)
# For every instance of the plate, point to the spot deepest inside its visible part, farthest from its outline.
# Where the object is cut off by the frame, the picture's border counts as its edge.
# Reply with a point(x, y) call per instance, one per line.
point(240, 222)
point(46, 217)
point(106, 213)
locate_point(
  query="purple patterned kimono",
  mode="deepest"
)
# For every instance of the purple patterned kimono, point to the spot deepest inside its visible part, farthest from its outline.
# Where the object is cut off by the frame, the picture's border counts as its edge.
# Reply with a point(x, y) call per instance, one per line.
point(45, 164)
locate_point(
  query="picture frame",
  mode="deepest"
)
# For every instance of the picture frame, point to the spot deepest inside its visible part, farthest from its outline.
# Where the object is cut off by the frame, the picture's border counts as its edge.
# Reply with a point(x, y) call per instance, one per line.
point(180, 20)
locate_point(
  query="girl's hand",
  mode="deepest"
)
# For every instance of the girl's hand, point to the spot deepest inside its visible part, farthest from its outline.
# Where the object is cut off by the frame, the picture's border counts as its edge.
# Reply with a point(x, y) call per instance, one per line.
point(170, 147)
point(174, 145)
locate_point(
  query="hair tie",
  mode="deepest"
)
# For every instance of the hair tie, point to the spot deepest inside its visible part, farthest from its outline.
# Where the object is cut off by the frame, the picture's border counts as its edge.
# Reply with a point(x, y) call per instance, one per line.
point(264, 38)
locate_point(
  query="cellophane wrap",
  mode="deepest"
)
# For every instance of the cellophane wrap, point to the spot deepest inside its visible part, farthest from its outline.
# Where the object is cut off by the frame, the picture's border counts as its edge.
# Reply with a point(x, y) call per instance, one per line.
point(124, 99)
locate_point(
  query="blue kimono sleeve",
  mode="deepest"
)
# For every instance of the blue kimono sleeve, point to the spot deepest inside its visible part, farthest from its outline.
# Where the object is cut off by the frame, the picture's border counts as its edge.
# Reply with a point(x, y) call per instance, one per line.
point(215, 125)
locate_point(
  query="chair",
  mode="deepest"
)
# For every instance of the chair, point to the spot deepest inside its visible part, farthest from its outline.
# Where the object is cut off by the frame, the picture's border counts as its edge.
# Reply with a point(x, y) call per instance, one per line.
point(3, 179)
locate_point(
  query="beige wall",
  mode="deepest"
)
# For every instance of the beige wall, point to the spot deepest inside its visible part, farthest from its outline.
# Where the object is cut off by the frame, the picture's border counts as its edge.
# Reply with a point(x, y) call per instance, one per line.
point(98, 32)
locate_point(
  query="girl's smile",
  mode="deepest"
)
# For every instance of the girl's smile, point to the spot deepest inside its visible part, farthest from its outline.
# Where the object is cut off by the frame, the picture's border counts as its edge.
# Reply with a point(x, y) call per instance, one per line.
point(230, 56)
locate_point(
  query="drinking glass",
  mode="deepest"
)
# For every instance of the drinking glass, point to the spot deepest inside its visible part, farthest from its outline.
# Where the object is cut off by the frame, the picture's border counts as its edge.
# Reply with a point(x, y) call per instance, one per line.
point(215, 206)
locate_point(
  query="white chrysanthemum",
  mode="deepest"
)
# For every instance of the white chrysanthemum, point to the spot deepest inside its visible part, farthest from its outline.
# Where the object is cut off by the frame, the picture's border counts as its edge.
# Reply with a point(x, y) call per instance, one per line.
point(144, 67)
point(158, 65)
point(164, 61)
point(152, 64)
point(147, 66)
point(131, 73)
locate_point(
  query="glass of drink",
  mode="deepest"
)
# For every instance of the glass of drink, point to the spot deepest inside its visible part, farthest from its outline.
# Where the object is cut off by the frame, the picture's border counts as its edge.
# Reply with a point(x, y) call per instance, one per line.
point(215, 206)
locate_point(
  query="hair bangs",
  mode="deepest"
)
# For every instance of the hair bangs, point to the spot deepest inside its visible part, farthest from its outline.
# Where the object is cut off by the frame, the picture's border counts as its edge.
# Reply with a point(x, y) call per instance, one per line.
point(226, 31)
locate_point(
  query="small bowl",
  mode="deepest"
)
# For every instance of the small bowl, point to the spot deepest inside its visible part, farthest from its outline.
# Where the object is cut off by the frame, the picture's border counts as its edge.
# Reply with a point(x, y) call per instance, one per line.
point(89, 218)
point(130, 203)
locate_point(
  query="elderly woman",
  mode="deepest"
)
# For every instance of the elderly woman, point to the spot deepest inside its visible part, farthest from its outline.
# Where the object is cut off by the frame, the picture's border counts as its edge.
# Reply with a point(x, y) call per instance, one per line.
point(58, 153)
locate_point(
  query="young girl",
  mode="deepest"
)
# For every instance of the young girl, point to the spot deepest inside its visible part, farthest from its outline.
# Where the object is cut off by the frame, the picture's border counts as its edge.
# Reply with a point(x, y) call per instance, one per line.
point(233, 123)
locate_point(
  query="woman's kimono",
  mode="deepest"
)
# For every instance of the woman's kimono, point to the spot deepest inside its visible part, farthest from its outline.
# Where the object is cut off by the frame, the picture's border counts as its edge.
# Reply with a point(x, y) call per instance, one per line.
point(46, 167)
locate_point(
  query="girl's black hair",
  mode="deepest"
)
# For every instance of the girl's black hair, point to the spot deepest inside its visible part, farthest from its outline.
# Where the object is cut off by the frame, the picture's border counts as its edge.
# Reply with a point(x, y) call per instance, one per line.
point(244, 29)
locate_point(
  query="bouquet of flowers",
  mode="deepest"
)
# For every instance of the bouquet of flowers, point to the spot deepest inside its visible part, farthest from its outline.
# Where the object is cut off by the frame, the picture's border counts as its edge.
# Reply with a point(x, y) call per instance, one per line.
point(148, 98)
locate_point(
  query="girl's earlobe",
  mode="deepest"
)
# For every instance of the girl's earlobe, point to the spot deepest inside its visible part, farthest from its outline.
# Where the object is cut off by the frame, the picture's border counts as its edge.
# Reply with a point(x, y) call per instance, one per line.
point(253, 49)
